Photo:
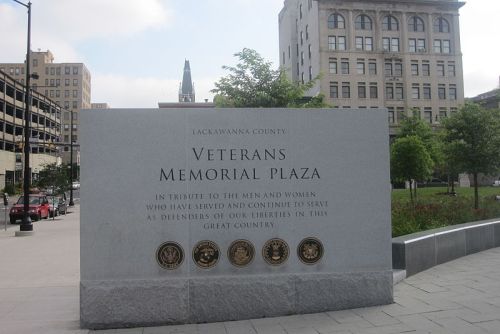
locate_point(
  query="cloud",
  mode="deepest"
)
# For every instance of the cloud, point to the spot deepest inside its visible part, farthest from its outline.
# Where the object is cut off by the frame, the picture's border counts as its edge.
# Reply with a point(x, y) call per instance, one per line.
point(59, 25)
point(137, 92)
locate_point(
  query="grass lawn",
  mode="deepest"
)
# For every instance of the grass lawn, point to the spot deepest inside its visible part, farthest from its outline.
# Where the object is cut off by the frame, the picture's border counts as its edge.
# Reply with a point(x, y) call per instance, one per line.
point(435, 208)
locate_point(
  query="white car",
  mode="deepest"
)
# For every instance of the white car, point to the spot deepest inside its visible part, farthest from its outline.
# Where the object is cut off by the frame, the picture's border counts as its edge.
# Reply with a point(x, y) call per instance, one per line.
point(75, 185)
point(496, 183)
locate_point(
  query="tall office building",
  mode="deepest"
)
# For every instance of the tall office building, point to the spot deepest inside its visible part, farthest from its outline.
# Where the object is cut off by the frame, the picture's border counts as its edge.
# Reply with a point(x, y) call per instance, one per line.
point(399, 54)
point(68, 84)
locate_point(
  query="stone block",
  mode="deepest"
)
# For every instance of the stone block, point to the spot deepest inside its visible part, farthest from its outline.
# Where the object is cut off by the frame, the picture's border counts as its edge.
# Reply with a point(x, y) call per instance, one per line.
point(450, 245)
point(420, 255)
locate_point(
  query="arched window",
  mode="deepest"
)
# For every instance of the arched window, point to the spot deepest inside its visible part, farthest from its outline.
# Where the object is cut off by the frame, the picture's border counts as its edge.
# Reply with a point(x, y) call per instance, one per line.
point(336, 21)
point(363, 22)
point(416, 24)
point(390, 23)
point(441, 25)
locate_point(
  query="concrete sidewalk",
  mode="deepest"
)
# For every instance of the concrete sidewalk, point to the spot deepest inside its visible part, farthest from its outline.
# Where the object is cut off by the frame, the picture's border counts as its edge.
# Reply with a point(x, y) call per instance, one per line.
point(39, 277)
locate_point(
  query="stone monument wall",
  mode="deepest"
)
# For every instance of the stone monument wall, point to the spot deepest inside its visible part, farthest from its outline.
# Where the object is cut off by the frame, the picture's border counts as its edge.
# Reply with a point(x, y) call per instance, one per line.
point(211, 215)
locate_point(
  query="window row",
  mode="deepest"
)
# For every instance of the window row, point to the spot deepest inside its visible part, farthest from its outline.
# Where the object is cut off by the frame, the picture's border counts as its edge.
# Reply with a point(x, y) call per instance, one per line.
point(425, 92)
point(389, 44)
point(428, 115)
point(343, 90)
point(57, 70)
point(389, 23)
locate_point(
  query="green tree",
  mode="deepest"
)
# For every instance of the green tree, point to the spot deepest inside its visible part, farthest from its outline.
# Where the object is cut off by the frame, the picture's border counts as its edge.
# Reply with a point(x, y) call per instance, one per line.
point(253, 83)
point(472, 138)
point(410, 160)
point(54, 177)
point(415, 126)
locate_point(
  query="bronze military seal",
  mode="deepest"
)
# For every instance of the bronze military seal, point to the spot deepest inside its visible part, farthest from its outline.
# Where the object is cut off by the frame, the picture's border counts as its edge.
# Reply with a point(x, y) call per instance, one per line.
point(206, 254)
point(275, 251)
point(310, 250)
point(240, 253)
point(169, 255)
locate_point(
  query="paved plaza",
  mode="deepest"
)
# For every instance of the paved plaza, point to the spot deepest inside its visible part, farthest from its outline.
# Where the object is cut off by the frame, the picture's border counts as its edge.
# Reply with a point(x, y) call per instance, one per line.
point(39, 277)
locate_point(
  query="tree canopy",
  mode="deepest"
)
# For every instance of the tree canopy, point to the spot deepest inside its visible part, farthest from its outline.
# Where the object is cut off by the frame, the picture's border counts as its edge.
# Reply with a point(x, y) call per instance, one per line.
point(253, 83)
point(410, 160)
point(472, 139)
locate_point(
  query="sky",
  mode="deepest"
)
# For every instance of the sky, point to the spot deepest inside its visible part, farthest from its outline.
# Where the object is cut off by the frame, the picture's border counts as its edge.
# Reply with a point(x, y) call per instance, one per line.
point(135, 50)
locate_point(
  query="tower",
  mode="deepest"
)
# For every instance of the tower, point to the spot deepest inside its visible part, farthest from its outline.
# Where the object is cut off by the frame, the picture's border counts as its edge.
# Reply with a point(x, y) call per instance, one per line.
point(186, 89)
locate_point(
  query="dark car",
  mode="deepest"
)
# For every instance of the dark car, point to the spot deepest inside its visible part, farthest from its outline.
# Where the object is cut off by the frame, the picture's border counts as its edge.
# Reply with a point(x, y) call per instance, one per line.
point(57, 206)
point(38, 208)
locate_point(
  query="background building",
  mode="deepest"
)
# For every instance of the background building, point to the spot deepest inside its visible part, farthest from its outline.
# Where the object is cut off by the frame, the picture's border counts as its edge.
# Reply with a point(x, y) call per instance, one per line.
point(45, 131)
point(402, 55)
point(68, 84)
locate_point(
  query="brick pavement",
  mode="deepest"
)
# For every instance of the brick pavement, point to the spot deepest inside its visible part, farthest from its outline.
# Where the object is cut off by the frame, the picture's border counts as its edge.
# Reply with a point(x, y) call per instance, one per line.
point(39, 294)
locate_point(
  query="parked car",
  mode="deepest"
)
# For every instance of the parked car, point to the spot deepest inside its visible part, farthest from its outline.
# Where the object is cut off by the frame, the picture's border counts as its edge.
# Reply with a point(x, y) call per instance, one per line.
point(75, 185)
point(38, 208)
point(496, 183)
point(57, 206)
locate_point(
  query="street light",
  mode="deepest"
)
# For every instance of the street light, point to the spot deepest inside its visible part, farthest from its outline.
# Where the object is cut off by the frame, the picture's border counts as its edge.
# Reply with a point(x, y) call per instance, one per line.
point(26, 225)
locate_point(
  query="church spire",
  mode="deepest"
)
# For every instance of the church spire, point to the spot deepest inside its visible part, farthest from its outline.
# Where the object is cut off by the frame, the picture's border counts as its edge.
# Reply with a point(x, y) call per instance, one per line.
point(186, 89)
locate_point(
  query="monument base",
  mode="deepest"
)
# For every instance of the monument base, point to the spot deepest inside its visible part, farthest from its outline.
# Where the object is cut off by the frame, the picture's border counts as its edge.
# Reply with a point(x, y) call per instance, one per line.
point(136, 303)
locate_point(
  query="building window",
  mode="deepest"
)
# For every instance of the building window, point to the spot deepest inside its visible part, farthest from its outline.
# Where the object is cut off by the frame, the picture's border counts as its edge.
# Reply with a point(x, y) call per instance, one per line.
point(332, 42)
point(372, 67)
point(451, 69)
point(360, 66)
point(334, 90)
point(390, 44)
point(361, 90)
point(35, 62)
point(390, 23)
point(344, 66)
point(75, 93)
point(301, 57)
point(66, 70)
point(428, 114)
point(452, 92)
point(301, 38)
point(75, 104)
point(363, 22)
point(416, 24)
point(58, 71)
point(364, 43)
point(346, 90)
point(440, 69)
point(441, 25)
point(75, 70)
point(398, 69)
point(336, 21)
point(442, 113)
point(416, 45)
point(415, 91)
point(309, 51)
point(442, 46)
point(426, 69)
point(414, 68)
point(391, 114)
point(373, 90)
point(389, 92)
point(399, 91)
point(442, 92)
point(302, 77)
point(333, 65)
point(388, 69)
point(300, 11)
point(307, 32)
point(310, 73)
point(427, 91)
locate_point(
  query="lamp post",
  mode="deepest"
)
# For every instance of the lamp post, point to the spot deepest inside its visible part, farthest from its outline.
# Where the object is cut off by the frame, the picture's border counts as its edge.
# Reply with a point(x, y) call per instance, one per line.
point(71, 203)
point(26, 224)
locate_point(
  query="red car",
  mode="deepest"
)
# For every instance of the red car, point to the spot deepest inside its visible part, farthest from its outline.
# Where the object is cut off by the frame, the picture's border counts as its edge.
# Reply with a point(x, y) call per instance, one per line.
point(38, 208)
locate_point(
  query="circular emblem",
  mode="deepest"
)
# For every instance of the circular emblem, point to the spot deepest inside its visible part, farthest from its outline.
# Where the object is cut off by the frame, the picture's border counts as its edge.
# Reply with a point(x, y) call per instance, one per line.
point(275, 251)
point(169, 255)
point(310, 250)
point(206, 254)
point(240, 253)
